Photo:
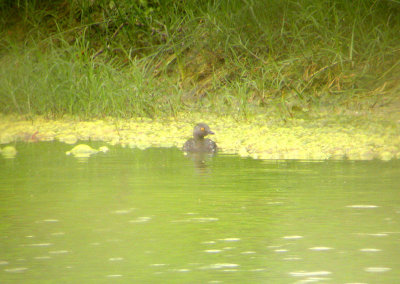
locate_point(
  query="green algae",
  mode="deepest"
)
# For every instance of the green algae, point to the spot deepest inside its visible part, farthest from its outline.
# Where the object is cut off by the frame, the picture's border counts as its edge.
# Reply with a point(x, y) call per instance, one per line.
point(85, 151)
point(8, 152)
point(259, 137)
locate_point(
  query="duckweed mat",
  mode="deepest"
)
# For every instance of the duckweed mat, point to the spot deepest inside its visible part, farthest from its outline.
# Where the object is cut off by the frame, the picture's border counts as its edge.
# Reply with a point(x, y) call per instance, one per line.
point(259, 137)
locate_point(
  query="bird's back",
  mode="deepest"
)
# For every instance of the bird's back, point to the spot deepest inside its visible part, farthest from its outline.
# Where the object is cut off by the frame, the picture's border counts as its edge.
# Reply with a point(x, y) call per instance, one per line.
point(203, 145)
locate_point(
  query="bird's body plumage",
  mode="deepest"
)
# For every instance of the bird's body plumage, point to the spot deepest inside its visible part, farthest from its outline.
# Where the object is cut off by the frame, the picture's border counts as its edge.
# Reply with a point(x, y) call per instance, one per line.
point(199, 144)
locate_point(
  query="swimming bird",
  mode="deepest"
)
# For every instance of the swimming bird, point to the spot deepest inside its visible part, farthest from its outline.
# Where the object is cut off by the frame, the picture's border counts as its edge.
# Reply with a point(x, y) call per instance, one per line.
point(199, 144)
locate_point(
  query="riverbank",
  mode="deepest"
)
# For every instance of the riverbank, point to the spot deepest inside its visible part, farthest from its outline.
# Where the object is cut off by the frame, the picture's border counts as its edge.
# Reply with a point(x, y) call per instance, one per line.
point(160, 58)
point(350, 137)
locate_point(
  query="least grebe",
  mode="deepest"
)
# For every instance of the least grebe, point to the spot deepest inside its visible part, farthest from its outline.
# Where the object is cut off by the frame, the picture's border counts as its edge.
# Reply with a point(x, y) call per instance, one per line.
point(198, 143)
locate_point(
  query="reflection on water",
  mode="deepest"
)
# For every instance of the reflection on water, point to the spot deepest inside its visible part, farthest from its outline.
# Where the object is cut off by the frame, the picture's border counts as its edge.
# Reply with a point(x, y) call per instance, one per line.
point(201, 161)
point(147, 216)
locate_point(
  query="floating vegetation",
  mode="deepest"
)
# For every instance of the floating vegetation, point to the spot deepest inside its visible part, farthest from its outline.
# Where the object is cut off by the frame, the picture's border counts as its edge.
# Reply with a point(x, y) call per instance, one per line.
point(85, 151)
point(259, 137)
point(9, 152)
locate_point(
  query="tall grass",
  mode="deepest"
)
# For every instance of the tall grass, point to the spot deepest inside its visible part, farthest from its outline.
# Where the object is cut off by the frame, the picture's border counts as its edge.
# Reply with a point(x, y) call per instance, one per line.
point(64, 82)
point(151, 58)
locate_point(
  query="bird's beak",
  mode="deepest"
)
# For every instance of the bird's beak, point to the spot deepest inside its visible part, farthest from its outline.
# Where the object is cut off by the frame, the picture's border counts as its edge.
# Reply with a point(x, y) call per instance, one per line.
point(210, 132)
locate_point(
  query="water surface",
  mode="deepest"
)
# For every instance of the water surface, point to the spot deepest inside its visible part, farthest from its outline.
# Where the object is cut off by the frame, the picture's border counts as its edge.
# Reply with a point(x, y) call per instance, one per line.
point(156, 216)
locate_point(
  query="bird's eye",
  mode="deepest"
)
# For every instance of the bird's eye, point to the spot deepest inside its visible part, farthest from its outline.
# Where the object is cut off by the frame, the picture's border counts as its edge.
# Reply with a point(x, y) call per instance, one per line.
point(202, 129)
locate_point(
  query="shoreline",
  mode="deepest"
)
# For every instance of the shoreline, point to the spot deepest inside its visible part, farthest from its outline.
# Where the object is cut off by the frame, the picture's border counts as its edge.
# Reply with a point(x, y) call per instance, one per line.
point(259, 137)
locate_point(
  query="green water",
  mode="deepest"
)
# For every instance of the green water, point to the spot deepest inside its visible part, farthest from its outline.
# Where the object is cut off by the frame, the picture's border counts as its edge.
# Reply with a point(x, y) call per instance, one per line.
point(156, 216)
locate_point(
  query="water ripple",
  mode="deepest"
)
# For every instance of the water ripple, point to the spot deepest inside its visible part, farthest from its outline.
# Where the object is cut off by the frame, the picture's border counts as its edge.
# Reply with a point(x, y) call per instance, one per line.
point(377, 269)
point(309, 273)
point(221, 266)
point(212, 250)
point(362, 206)
point(320, 248)
point(292, 237)
point(370, 250)
point(16, 269)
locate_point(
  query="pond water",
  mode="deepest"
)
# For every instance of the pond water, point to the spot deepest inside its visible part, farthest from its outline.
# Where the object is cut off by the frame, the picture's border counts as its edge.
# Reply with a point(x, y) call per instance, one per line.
point(157, 216)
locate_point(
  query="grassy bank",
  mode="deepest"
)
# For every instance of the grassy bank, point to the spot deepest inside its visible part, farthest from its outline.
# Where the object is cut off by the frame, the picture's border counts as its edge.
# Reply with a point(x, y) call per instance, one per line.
point(159, 58)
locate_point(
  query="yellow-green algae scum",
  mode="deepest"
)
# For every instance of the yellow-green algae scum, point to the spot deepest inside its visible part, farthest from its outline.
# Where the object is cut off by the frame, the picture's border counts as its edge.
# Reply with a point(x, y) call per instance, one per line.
point(259, 137)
